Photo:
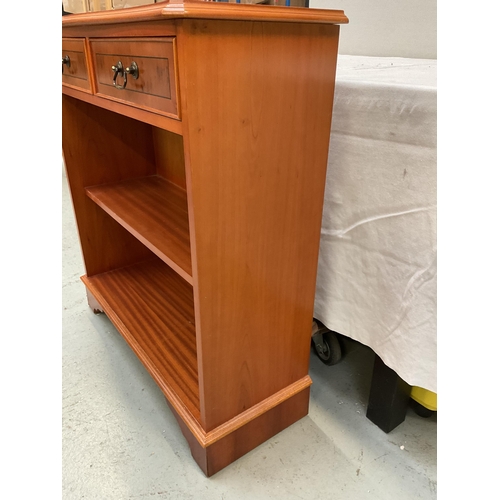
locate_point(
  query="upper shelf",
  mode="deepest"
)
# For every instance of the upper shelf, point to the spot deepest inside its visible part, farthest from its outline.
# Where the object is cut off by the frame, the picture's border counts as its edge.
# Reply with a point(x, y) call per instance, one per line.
point(193, 9)
point(155, 212)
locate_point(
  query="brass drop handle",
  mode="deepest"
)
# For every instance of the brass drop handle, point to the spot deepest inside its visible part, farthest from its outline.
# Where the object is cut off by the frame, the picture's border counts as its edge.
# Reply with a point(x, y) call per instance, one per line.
point(132, 70)
point(65, 60)
point(118, 70)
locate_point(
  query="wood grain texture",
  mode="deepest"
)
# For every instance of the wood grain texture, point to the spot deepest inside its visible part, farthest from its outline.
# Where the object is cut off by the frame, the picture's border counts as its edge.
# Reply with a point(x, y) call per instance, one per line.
point(155, 88)
point(257, 102)
point(77, 74)
point(152, 307)
point(192, 9)
point(155, 212)
point(151, 117)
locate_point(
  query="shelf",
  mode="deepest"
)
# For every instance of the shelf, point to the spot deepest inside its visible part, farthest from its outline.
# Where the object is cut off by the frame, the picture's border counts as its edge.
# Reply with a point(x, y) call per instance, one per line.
point(155, 212)
point(153, 309)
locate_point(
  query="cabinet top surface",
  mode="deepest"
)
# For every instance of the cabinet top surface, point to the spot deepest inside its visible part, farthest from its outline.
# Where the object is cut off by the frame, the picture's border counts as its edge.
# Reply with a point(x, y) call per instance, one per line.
point(202, 9)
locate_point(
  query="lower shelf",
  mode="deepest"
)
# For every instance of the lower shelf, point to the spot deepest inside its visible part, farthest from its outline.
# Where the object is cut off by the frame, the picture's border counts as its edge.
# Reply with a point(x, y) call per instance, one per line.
point(152, 307)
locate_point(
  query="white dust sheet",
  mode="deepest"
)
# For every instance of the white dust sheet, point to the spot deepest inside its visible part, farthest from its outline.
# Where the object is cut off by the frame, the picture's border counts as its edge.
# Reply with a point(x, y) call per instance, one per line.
point(377, 265)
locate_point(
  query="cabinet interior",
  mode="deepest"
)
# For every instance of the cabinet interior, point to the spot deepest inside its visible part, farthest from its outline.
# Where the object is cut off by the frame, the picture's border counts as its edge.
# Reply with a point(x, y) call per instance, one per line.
point(128, 184)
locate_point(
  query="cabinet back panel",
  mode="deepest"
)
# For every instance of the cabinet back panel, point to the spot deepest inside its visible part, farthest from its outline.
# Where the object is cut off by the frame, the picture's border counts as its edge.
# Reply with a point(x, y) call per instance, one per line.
point(169, 150)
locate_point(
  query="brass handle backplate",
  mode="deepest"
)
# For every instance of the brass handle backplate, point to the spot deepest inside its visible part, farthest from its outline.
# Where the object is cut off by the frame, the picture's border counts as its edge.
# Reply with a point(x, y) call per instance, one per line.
point(133, 70)
point(65, 61)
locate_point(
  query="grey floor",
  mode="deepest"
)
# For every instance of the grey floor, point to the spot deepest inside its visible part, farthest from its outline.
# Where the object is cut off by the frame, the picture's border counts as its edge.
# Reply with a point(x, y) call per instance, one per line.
point(120, 440)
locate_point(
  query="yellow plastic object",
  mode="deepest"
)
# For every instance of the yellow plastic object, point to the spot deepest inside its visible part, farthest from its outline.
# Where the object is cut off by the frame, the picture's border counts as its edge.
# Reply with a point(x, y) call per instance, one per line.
point(424, 397)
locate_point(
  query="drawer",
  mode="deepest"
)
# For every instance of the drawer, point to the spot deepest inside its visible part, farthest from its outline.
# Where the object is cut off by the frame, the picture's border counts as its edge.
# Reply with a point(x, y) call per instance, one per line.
point(74, 69)
point(139, 72)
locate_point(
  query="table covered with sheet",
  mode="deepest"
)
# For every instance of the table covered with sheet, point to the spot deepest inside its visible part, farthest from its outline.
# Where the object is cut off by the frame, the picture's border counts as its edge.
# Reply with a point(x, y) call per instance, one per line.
point(377, 265)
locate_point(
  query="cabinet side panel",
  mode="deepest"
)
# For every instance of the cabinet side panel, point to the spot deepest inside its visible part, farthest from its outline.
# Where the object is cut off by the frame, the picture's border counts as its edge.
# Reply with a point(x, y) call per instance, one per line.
point(257, 102)
point(100, 147)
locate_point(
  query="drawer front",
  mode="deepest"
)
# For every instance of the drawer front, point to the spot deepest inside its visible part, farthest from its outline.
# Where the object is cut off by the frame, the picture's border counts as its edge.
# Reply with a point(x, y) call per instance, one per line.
point(74, 69)
point(140, 72)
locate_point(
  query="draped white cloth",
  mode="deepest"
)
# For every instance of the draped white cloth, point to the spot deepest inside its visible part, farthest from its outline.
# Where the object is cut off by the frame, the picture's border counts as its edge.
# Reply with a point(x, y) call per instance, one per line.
point(377, 265)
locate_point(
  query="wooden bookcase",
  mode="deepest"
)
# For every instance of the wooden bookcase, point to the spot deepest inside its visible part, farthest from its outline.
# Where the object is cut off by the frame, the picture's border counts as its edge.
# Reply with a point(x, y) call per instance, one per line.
point(197, 170)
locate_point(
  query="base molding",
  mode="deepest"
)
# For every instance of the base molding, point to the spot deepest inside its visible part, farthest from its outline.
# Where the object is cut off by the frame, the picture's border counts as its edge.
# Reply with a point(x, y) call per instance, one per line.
point(231, 445)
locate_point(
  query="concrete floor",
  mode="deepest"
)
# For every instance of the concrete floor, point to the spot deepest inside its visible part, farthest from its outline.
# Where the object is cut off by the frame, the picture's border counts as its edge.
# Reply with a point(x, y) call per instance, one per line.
point(120, 440)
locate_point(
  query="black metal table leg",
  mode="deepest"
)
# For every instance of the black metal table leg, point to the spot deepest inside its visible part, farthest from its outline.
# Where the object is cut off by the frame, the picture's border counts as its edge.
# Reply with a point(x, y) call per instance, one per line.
point(389, 397)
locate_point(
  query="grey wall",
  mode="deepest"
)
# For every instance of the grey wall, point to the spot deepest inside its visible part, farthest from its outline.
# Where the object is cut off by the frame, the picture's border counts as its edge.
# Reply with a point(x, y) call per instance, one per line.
point(397, 28)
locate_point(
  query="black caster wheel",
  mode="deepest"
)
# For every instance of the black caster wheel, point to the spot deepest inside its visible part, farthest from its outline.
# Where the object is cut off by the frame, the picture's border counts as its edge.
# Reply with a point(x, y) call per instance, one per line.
point(327, 347)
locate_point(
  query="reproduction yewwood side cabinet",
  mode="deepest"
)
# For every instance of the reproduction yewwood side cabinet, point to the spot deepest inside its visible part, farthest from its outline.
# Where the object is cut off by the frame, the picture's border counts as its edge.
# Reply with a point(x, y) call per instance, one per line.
point(195, 138)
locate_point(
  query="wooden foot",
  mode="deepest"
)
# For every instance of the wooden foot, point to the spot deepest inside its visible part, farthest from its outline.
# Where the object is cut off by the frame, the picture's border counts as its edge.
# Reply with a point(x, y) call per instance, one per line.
point(389, 397)
point(218, 454)
point(93, 304)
